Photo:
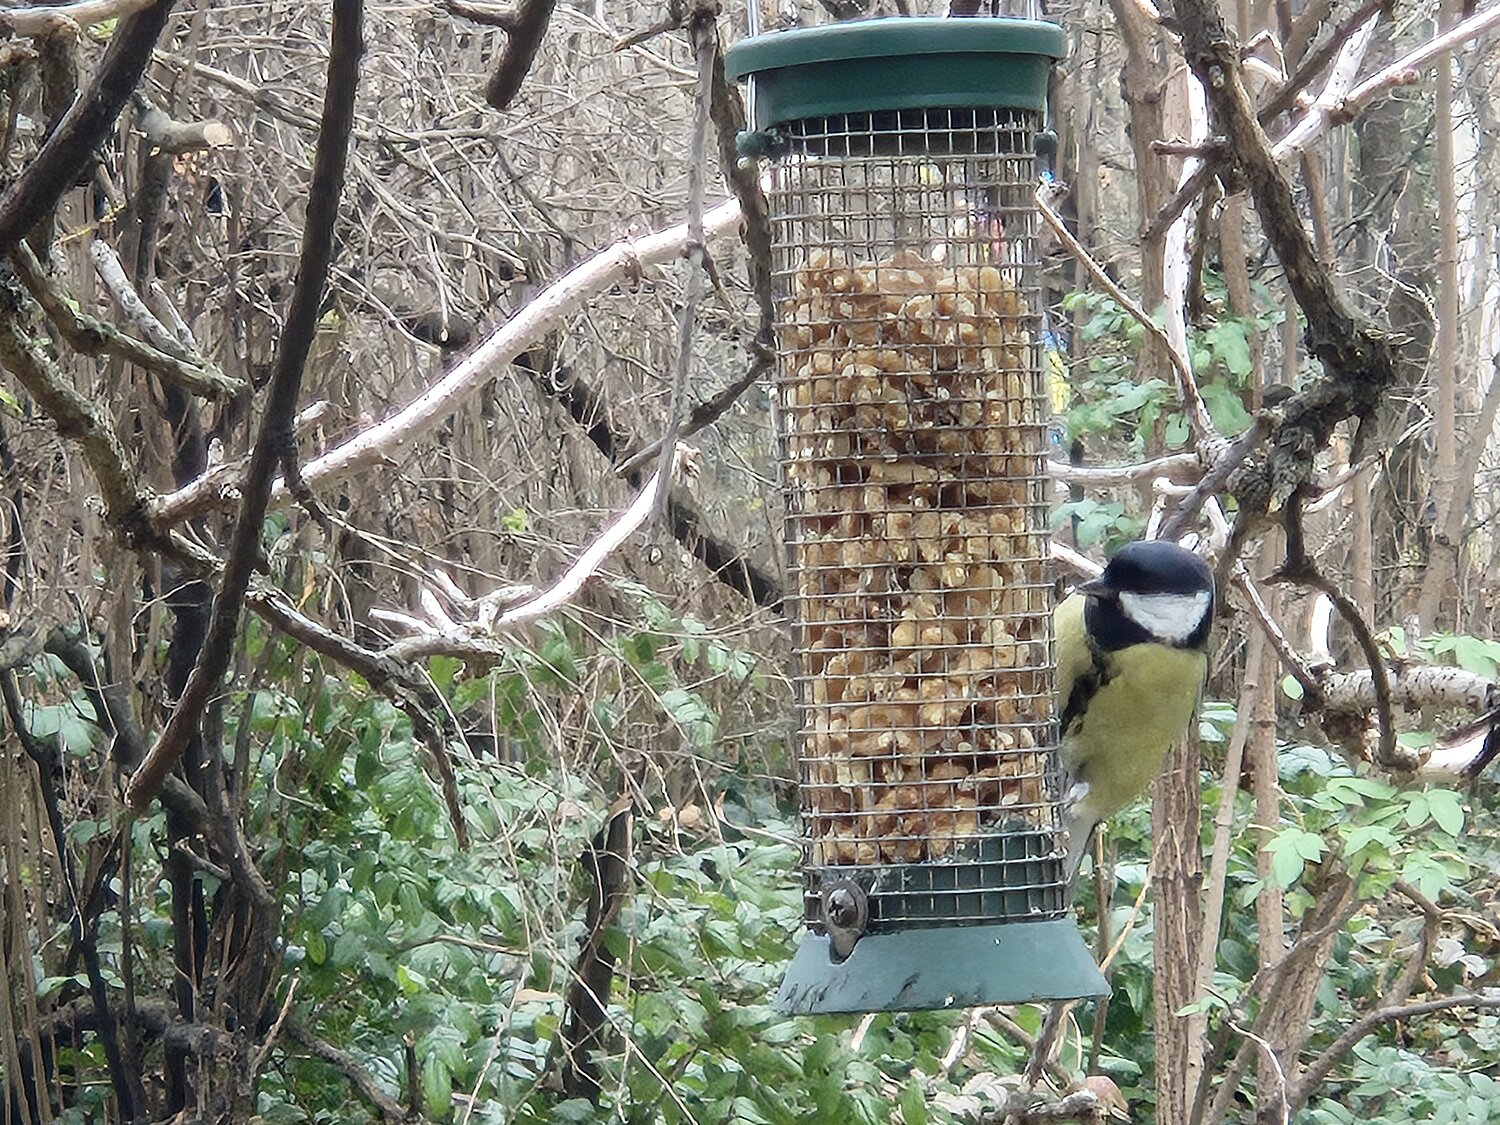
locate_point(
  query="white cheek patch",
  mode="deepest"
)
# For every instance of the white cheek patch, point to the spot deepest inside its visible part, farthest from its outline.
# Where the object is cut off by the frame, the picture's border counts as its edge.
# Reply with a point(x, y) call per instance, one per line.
point(1172, 617)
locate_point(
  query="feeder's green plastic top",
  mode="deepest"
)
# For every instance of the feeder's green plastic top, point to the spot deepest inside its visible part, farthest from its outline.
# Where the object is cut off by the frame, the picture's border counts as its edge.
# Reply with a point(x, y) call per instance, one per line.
point(925, 62)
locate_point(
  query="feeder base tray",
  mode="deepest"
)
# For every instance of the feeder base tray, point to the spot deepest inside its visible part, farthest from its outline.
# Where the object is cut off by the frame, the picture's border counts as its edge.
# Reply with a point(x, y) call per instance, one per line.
point(951, 967)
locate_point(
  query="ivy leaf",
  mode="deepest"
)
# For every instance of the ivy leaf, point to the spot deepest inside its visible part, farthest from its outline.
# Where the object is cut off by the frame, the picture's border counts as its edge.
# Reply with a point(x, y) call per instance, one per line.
point(1447, 810)
point(1231, 347)
point(1177, 432)
point(913, 1105)
point(1225, 408)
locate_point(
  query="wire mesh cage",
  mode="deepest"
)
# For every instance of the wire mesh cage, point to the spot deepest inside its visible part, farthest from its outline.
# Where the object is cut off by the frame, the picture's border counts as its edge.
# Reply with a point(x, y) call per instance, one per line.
point(772, 15)
point(912, 418)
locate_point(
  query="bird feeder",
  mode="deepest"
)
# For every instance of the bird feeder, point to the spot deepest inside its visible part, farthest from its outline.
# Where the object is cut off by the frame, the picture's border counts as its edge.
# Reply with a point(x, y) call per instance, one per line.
point(912, 418)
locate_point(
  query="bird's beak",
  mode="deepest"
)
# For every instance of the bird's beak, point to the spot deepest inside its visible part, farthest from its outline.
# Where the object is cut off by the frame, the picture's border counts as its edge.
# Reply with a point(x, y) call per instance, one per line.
point(1097, 588)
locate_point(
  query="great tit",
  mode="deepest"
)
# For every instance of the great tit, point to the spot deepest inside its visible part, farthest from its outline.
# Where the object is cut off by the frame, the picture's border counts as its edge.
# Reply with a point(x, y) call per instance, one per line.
point(1132, 654)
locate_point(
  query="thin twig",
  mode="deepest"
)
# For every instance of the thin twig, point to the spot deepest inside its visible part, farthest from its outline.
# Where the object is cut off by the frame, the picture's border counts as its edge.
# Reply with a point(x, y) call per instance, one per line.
point(703, 415)
point(1310, 67)
point(270, 1041)
point(376, 443)
point(704, 38)
point(478, 640)
point(1300, 569)
point(361, 1079)
point(1312, 686)
point(1405, 70)
point(1231, 457)
point(1023, 1039)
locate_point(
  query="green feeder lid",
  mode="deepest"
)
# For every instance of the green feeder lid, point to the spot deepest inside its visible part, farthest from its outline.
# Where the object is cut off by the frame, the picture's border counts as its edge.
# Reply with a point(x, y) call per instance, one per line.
point(947, 967)
point(926, 62)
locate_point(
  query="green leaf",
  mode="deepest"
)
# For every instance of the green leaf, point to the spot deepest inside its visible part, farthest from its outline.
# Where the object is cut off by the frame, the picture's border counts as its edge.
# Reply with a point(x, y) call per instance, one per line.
point(437, 1086)
point(1476, 655)
point(1418, 810)
point(317, 947)
point(409, 981)
point(1231, 347)
point(1226, 409)
point(1177, 432)
point(913, 1104)
point(1426, 874)
point(1357, 837)
point(1447, 810)
point(1291, 850)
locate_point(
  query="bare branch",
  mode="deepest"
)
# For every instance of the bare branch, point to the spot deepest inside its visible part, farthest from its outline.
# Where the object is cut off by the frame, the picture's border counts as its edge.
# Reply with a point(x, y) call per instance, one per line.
point(1310, 67)
point(1291, 659)
point(167, 134)
point(361, 1079)
point(90, 118)
point(95, 337)
point(1319, 115)
point(1413, 687)
point(1230, 458)
point(1187, 386)
point(1393, 1006)
point(524, 34)
point(122, 291)
point(1359, 363)
point(47, 19)
point(1171, 467)
point(1300, 568)
point(491, 15)
point(542, 315)
point(275, 436)
point(705, 414)
point(705, 41)
point(1406, 70)
point(477, 640)
point(75, 416)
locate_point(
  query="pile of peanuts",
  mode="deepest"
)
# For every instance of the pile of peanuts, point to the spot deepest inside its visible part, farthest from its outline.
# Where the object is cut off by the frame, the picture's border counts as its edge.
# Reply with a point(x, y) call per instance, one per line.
point(913, 441)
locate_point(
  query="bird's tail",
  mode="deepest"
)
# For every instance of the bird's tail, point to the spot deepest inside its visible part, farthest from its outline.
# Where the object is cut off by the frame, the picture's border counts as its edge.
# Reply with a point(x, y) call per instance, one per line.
point(1079, 827)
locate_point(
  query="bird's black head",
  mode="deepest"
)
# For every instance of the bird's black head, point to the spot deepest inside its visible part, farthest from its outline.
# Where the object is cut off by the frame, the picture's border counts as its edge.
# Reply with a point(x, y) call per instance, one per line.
point(1151, 592)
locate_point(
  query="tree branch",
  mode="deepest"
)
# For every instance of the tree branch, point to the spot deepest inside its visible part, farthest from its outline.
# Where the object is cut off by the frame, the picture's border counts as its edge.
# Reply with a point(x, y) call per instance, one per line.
point(75, 416)
point(491, 15)
point(275, 434)
point(523, 30)
point(1187, 385)
point(91, 336)
point(1359, 363)
point(46, 19)
point(542, 315)
point(476, 640)
point(1405, 70)
point(361, 1079)
point(88, 121)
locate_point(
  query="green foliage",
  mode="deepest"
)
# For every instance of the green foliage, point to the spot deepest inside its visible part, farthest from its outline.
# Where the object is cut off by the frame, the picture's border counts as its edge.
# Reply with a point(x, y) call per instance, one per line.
point(397, 937)
point(1112, 402)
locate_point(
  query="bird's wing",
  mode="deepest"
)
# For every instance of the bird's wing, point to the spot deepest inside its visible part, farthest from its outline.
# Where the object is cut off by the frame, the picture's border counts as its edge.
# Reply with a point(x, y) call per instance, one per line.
point(1075, 659)
point(1077, 680)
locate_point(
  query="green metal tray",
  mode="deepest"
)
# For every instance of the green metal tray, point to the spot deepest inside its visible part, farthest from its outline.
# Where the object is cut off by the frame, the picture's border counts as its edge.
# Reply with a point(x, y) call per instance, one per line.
point(951, 967)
